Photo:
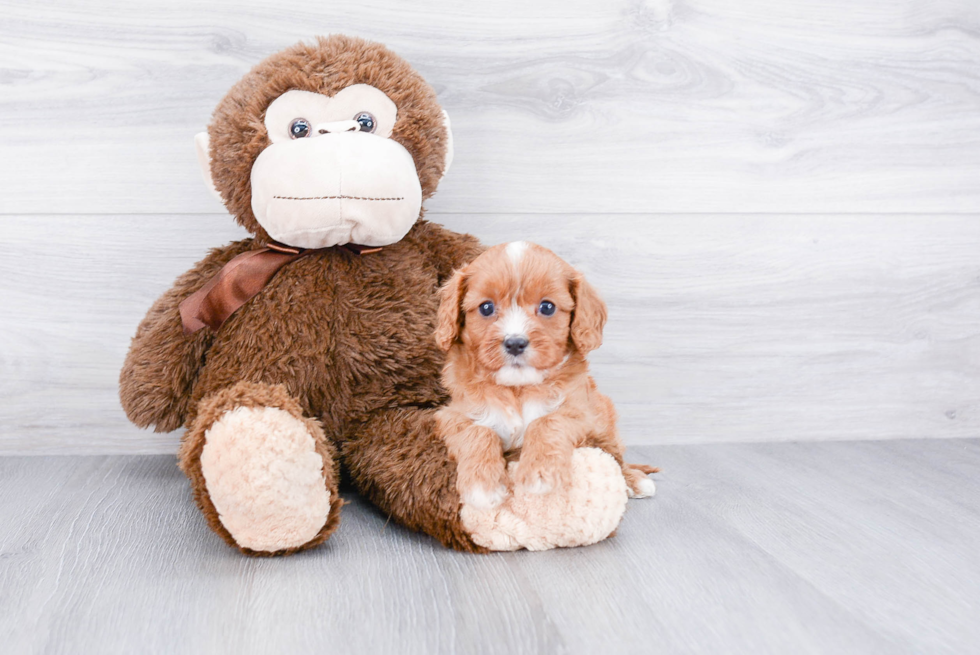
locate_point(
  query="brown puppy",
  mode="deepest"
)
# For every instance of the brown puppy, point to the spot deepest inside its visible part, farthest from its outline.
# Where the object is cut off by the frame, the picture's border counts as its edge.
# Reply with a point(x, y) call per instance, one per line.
point(517, 323)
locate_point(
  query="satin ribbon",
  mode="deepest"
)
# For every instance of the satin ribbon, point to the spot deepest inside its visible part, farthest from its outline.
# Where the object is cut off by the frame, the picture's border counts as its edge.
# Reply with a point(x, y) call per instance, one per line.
point(240, 280)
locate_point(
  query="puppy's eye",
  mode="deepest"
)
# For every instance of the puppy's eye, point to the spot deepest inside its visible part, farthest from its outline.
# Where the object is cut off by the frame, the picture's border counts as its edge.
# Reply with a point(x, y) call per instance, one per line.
point(486, 308)
point(546, 308)
point(299, 128)
point(366, 121)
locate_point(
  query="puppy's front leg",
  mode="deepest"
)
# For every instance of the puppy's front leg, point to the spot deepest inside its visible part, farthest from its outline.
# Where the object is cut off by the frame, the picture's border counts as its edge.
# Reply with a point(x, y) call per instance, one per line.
point(546, 457)
point(481, 476)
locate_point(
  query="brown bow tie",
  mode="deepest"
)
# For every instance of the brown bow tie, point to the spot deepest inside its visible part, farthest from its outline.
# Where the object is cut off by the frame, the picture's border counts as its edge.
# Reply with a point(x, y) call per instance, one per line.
point(240, 280)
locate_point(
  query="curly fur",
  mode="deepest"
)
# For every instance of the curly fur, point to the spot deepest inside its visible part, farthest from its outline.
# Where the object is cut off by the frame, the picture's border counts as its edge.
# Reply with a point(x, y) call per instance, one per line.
point(547, 419)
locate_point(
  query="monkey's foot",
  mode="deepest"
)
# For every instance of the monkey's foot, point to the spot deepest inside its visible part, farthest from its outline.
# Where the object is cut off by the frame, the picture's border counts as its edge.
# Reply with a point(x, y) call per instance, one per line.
point(583, 513)
point(264, 477)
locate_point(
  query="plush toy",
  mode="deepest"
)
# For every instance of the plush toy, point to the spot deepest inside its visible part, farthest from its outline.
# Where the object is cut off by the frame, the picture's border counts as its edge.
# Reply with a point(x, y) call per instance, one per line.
point(310, 345)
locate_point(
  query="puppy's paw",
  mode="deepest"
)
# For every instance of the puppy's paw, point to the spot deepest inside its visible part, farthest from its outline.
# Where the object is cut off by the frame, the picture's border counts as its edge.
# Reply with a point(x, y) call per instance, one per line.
point(480, 497)
point(536, 479)
point(539, 485)
point(638, 485)
point(644, 488)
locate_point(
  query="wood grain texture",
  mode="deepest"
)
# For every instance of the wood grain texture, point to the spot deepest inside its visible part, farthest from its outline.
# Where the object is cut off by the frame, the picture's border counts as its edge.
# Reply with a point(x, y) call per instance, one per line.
point(558, 106)
point(762, 548)
point(722, 328)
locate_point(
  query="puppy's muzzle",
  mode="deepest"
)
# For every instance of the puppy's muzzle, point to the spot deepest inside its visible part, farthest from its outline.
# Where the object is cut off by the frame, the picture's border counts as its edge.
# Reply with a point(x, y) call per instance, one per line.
point(515, 345)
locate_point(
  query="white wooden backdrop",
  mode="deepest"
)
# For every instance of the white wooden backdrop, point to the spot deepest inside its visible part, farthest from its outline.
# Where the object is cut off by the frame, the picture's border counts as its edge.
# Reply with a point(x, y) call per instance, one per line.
point(780, 199)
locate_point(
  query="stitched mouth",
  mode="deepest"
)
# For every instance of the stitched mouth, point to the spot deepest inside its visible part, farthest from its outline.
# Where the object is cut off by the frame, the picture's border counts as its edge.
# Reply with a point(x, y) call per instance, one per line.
point(333, 198)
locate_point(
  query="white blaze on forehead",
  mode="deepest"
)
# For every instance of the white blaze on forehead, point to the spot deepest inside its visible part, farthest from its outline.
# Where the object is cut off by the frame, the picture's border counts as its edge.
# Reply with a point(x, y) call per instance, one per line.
point(515, 250)
point(515, 322)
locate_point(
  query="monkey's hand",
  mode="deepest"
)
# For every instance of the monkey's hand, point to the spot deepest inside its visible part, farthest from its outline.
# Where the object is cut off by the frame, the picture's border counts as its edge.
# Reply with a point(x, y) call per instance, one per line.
point(158, 375)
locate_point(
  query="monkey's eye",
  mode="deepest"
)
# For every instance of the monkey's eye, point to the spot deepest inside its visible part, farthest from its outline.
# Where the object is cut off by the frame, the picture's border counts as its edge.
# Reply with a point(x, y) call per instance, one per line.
point(367, 122)
point(546, 308)
point(299, 128)
point(486, 308)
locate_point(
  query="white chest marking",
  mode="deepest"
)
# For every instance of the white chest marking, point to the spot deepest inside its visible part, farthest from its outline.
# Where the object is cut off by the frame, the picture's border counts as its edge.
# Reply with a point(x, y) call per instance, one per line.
point(509, 425)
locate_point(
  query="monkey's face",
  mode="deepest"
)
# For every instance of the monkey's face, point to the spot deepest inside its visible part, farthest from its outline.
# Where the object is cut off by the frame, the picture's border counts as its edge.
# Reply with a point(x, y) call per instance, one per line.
point(332, 174)
point(327, 143)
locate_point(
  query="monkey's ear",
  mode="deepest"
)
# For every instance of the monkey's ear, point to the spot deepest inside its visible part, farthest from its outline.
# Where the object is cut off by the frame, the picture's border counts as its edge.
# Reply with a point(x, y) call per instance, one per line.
point(449, 321)
point(449, 143)
point(203, 144)
point(589, 315)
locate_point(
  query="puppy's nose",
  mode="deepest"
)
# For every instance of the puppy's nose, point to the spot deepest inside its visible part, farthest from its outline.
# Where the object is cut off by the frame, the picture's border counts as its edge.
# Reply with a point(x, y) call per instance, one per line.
point(515, 345)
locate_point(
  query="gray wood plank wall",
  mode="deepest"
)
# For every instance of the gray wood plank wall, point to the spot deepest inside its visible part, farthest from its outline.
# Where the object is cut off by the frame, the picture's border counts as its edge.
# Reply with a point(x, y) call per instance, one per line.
point(779, 199)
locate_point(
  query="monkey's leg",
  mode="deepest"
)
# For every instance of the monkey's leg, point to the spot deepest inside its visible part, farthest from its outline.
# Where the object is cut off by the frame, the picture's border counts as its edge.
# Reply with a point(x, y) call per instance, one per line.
point(264, 475)
point(398, 460)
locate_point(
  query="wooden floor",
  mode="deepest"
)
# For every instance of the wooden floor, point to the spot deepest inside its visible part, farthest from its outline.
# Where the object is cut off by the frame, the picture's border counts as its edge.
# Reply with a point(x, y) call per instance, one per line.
point(830, 547)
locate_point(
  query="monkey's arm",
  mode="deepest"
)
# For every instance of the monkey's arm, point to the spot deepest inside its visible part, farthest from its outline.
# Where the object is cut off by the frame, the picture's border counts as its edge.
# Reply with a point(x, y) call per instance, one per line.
point(158, 375)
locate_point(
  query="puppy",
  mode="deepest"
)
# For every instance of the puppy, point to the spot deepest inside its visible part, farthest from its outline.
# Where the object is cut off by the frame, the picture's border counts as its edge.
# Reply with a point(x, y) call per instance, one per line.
point(517, 323)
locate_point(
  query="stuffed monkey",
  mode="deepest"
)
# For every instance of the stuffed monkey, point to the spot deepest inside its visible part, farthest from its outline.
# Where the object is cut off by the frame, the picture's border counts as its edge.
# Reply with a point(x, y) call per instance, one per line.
point(309, 346)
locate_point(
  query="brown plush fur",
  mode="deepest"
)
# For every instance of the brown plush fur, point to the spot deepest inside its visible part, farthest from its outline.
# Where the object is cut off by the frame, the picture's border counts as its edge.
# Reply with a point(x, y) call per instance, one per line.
point(517, 281)
point(341, 339)
point(399, 463)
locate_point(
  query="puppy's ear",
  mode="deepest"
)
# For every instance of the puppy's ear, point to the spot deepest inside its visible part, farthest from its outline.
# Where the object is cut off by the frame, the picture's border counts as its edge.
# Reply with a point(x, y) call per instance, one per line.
point(449, 321)
point(589, 315)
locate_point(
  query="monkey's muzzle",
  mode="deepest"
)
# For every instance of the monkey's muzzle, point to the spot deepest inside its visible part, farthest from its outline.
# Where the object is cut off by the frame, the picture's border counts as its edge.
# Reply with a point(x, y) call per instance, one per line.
point(350, 187)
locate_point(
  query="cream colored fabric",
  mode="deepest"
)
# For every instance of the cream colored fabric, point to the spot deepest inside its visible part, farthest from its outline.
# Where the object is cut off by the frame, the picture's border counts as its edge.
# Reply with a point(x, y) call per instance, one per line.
point(202, 144)
point(351, 187)
point(585, 513)
point(450, 152)
point(265, 478)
